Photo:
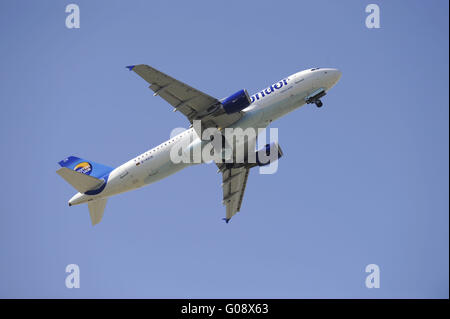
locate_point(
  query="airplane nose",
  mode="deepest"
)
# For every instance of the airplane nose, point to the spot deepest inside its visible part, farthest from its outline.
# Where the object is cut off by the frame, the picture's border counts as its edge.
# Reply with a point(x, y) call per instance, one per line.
point(336, 75)
point(333, 77)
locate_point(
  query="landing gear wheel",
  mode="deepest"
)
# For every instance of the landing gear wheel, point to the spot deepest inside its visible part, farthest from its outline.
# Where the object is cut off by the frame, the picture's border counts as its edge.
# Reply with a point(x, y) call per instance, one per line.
point(319, 103)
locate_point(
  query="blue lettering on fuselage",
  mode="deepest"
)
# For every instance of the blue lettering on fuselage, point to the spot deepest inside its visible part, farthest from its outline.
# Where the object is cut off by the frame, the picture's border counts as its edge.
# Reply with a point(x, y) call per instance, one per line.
point(269, 90)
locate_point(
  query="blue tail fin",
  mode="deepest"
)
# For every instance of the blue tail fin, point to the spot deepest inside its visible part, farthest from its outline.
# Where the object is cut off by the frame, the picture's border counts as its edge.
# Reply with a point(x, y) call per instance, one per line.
point(86, 167)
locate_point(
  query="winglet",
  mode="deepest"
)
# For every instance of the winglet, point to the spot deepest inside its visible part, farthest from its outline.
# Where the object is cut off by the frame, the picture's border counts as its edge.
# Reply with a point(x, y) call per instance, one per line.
point(130, 67)
point(226, 220)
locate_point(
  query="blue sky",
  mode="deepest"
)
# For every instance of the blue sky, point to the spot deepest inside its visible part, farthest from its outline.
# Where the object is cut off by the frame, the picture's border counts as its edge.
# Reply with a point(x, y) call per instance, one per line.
point(363, 180)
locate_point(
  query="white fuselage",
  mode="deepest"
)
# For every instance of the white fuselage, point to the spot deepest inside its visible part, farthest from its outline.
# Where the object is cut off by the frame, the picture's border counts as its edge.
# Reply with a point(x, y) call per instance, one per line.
point(267, 105)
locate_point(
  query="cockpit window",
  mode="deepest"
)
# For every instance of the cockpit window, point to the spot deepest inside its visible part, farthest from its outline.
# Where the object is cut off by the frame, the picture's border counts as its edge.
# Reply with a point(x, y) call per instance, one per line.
point(315, 69)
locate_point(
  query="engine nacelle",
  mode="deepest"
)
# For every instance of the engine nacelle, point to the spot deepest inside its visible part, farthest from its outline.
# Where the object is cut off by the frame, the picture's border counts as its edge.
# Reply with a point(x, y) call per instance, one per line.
point(236, 102)
point(269, 153)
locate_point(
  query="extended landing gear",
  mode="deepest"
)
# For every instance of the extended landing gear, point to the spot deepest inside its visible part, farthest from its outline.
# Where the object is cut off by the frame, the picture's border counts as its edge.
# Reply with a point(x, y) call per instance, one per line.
point(315, 97)
point(318, 103)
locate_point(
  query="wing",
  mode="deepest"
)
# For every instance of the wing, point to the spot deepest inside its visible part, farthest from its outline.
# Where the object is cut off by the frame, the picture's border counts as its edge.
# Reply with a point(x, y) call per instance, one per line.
point(234, 181)
point(194, 104)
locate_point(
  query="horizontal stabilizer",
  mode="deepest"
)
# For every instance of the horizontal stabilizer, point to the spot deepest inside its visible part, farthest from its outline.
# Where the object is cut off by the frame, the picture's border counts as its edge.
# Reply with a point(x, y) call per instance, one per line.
point(96, 209)
point(81, 182)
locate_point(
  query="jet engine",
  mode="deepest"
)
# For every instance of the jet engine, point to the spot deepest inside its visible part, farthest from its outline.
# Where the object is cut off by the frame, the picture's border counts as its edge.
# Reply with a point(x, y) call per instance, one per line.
point(269, 153)
point(266, 155)
point(236, 102)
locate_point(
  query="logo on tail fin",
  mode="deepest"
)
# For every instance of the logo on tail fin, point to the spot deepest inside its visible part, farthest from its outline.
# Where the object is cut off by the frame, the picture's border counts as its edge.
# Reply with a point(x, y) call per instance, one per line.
point(83, 167)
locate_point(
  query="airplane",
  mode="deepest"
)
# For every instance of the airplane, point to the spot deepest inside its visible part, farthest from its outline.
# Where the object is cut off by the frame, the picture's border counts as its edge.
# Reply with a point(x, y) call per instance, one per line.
point(95, 182)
